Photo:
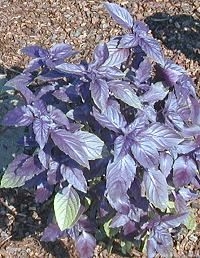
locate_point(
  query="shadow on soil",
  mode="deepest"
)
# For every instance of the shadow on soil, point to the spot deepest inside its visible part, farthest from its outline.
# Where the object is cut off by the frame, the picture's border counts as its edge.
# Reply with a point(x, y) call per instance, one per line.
point(178, 32)
point(26, 219)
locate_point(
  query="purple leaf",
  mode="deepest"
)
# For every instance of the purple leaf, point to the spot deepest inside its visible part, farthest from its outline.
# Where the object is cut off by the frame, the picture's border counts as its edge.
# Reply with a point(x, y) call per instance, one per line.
point(44, 156)
point(140, 27)
point(20, 83)
point(173, 221)
point(163, 136)
point(120, 172)
point(137, 126)
point(128, 41)
point(151, 47)
point(29, 166)
point(187, 194)
point(195, 110)
point(185, 86)
point(85, 245)
point(110, 118)
point(110, 73)
point(120, 15)
point(122, 146)
point(72, 68)
point(51, 233)
point(52, 172)
point(151, 247)
point(38, 108)
point(171, 112)
point(122, 90)
point(61, 95)
point(145, 152)
point(149, 112)
point(129, 228)
point(117, 196)
point(143, 73)
point(171, 72)
point(42, 193)
point(166, 162)
point(184, 169)
point(155, 93)
point(164, 243)
point(119, 220)
point(156, 188)
point(180, 204)
point(100, 54)
point(75, 177)
point(62, 51)
point(59, 117)
point(34, 65)
point(19, 116)
point(34, 51)
point(91, 144)
point(116, 55)
point(41, 131)
point(44, 90)
point(100, 93)
point(70, 145)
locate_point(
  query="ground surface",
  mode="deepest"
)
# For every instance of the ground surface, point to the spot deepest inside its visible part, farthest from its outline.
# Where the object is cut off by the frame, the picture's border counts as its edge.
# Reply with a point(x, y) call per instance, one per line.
point(83, 24)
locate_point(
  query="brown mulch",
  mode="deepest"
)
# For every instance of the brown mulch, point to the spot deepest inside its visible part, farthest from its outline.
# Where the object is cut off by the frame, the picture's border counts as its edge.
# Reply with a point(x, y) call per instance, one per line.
point(175, 23)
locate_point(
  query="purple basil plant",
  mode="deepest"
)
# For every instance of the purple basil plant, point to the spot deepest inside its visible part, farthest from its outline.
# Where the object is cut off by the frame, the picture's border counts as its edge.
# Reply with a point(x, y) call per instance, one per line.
point(115, 142)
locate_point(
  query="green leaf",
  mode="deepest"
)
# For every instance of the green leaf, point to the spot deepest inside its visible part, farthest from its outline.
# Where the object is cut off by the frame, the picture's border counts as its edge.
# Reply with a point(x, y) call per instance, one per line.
point(10, 180)
point(66, 206)
point(190, 222)
point(110, 232)
point(126, 247)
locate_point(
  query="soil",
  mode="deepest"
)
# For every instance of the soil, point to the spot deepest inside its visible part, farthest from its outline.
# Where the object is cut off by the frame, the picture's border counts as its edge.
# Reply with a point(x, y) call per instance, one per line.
point(176, 24)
